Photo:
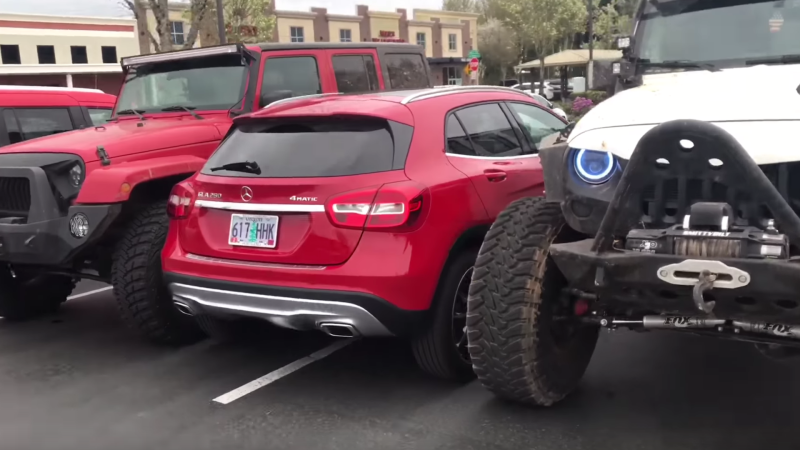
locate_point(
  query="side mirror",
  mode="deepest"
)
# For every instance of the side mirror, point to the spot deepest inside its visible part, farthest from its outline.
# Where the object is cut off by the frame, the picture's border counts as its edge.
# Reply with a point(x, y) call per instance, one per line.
point(267, 98)
point(567, 130)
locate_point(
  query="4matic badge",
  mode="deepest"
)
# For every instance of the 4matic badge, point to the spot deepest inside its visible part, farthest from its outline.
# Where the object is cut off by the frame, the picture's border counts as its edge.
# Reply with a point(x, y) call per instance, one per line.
point(295, 198)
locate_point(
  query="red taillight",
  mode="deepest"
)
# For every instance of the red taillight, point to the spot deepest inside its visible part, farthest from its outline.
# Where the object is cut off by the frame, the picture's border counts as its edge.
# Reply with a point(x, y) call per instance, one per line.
point(391, 205)
point(181, 200)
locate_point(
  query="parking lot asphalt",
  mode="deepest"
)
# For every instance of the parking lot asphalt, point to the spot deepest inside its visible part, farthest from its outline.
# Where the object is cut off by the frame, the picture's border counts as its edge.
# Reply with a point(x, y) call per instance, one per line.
point(79, 380)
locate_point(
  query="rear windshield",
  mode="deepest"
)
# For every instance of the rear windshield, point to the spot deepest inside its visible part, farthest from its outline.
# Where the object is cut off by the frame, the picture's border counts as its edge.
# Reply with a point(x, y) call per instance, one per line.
point(328, 147)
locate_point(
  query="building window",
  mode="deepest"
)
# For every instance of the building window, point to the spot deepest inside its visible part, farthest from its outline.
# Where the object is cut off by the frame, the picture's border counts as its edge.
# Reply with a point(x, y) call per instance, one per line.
point(345, 35)
point(421, 39)
point(177, 33)
point(47, 54)
point(452, 75)
point(452, 42)
point(296, 34)
point(10, 54)
point(79, 54)
point(109, 55)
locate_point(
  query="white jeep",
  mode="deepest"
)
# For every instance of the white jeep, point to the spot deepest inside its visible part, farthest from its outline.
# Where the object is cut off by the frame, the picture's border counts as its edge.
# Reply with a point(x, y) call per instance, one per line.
point(672, 205)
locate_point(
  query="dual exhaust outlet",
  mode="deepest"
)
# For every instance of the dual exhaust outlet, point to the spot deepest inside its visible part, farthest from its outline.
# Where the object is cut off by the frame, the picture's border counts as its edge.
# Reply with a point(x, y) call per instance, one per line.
point(333, 329)
point(689, 322)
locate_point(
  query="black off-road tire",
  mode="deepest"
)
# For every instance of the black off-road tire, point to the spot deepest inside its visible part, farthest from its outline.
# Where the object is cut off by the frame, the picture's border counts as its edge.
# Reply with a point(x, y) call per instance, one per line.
point(26, 297)
point(144, 301)
point(515, 288)
point(434, 349)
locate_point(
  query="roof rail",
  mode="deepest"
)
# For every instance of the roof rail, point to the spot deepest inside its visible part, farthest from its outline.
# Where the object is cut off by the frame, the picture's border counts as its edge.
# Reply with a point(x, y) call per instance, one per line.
point(289, 99)
point(13, 87)
point(438, 92)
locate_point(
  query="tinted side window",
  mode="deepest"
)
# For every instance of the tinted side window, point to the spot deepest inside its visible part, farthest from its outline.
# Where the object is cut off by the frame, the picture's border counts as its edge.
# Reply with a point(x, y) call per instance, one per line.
point(99, 116)
point(536, 123)
point(355, 73)
point(489, 130)
point(38, 122)
point(298, 74)
point(309, 148)
point(12, 128)
point(457, 141)
point(406, 71)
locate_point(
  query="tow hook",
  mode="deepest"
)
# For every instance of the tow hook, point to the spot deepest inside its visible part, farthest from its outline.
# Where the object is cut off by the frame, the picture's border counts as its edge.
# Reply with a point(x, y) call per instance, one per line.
point(704, 283)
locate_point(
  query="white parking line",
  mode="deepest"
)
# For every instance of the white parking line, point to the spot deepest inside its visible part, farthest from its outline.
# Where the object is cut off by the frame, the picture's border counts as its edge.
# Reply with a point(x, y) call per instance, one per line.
point(86, 294)
point(276, 375)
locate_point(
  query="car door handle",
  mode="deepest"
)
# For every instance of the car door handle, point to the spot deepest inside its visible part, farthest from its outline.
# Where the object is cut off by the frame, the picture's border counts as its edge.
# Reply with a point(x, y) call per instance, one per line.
point(494, 175)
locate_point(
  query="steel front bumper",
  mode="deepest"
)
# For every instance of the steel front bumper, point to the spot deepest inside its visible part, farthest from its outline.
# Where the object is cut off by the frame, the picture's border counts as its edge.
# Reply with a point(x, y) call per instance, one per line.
point(43, 237)
point(627, 281)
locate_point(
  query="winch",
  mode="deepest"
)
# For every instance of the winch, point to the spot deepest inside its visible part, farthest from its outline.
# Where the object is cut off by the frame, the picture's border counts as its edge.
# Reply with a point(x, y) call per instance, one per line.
point(709, 231)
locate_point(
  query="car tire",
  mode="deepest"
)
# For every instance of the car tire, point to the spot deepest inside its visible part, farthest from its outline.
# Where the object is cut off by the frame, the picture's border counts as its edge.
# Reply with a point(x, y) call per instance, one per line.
point(26, 297)
point(144, 301)
point(517, 350)
point(436, 350)
point(219, 330)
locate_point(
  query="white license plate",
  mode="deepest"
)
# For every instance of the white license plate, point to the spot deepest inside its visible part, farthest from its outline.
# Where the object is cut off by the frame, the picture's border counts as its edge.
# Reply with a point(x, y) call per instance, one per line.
point(253, 231)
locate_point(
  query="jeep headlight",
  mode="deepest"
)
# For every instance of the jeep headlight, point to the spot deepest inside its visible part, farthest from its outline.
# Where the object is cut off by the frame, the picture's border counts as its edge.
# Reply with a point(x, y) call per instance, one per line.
point(594, 166)
point(76, 175)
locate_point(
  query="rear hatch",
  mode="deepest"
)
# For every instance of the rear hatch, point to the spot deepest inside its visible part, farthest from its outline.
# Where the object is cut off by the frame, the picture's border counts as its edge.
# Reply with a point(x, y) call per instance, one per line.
point(284, 214)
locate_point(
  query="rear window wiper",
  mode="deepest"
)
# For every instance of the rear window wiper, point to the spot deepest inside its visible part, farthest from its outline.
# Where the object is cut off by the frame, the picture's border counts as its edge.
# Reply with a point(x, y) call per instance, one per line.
point(244, 166)
point(783, 59)
point(138, 112)
point(183, 108)
point(680, 64)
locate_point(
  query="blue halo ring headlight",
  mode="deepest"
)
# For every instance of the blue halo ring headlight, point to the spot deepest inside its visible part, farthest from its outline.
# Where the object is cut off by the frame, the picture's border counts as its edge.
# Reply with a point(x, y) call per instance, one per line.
point(594, 166)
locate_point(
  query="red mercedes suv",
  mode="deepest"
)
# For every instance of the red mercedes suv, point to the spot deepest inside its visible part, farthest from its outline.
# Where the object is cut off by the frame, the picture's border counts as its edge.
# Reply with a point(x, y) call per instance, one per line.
point(356, 215)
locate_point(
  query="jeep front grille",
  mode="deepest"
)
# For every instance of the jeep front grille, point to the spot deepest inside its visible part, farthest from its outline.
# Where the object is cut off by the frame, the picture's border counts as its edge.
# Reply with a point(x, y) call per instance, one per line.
point(666, 202)
point(15, 197)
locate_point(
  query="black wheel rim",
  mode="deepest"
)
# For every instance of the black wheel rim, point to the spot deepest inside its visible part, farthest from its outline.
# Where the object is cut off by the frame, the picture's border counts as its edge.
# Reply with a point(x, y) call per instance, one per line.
point(459, 316)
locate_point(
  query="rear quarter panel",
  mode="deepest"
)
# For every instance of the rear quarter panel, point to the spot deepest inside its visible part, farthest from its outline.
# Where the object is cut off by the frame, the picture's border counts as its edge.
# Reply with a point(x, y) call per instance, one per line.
point(455, 206)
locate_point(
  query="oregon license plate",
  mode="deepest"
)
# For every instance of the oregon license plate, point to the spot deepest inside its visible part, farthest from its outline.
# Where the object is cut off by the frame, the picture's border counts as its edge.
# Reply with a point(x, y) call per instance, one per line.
point(253, 231)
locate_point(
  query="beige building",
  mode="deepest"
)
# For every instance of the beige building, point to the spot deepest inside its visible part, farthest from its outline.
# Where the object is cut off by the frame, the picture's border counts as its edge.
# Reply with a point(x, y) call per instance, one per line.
point(65, 51)
point(448, 37)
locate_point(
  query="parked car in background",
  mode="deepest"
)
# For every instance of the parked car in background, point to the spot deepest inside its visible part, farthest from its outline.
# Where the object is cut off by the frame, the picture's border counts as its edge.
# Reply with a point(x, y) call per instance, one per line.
point(547, 103)
point(31, 111)
point(363, 219)
point(92, 203)
point(549, 92)
point(556, 85)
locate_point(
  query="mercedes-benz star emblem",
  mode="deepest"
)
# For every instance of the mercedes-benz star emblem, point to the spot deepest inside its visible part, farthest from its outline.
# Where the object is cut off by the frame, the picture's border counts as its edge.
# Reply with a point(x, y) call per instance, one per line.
point(247, 193)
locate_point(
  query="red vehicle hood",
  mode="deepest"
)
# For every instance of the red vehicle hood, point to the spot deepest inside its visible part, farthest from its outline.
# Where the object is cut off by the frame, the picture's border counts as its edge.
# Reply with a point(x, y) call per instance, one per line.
point(129, 136)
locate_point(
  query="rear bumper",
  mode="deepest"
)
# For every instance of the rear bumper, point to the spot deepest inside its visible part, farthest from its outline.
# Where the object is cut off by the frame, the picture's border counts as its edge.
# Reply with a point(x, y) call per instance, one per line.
point(295, 308)
point(43, 237)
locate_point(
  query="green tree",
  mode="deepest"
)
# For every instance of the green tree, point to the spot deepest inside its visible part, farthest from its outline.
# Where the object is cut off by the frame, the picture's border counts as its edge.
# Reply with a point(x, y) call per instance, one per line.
point(248, 21)
point(473, 6)
point(498, 50)
point(610, 21)
point(162, 38)
point(541, 23)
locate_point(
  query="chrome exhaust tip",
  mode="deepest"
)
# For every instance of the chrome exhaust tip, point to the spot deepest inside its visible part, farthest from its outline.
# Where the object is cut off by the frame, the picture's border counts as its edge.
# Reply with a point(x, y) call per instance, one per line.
point(183, 308)
point(339, 330)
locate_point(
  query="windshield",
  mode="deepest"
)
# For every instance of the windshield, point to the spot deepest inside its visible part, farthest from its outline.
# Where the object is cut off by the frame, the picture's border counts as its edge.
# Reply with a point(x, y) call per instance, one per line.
point(202, 84)
point(726, 33)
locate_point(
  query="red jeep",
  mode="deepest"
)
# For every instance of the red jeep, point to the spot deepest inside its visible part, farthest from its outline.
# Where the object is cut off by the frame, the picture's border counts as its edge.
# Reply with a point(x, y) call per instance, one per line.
point(364, 218)
point(92, 203)
point(32, 111)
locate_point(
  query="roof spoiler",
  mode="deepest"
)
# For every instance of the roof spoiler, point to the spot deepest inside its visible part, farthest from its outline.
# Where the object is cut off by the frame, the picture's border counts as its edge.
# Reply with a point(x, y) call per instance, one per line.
point(178, 55)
